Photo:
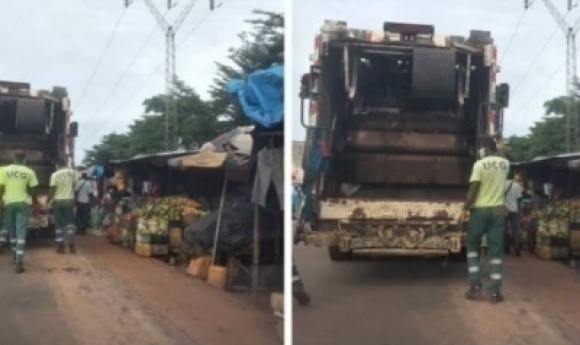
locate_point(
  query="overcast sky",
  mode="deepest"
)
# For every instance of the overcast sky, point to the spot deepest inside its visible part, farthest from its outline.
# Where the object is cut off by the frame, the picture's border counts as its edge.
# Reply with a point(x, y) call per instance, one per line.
point(545, 80)
point(60, 43)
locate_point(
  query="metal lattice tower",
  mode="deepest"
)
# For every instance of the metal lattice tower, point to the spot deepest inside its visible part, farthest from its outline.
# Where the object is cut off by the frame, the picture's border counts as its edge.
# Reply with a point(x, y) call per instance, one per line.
point(572, 120)
point(170, 77)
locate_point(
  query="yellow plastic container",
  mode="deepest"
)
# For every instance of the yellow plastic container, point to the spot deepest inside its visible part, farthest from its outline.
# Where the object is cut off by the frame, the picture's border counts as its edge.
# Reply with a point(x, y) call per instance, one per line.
point(217, 277)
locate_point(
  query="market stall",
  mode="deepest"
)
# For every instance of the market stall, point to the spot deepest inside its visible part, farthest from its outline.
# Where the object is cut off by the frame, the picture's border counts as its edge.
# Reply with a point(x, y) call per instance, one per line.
point(262, 99)
point(555, 184)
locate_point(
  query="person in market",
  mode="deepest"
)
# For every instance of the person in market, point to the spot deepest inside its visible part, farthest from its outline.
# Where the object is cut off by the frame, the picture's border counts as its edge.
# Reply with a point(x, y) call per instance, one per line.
point(485, 205)
point(512, 234)
point(83, 192)
point(298, 290)
point(3, 228)
point(530, 210)
point(108, 208)
point(61, 197)
point(17, 190)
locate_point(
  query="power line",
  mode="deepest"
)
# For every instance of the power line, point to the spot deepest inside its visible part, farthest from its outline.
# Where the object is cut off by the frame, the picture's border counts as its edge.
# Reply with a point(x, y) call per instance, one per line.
point(536, 58)
point(542, 88)
point(147, 79)
point(507, 48)
point(125, 72)
point(109, 40)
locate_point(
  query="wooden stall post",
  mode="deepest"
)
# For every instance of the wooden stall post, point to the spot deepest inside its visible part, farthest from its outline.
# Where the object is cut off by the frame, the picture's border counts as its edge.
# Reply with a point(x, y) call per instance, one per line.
point(256, 254)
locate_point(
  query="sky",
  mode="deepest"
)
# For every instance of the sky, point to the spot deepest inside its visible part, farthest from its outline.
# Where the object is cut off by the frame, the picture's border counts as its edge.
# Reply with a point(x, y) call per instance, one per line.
point(60, 44)
point(534, 70)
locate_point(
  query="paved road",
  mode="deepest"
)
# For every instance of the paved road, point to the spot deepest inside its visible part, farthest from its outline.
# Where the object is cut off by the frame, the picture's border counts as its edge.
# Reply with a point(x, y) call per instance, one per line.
point(107, 296)
point(397, 303)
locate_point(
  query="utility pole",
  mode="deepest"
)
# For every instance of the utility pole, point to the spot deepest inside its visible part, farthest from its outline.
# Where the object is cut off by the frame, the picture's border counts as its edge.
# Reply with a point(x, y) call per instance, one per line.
point(572, 121)
point(170, 78)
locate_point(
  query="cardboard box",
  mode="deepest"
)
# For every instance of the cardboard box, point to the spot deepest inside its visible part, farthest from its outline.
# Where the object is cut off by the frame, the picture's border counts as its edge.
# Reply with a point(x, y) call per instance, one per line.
point(175, 237)
point(575, 240)
point(143, 249)
point(550, 253)
point(159, 249)
point(199, 268)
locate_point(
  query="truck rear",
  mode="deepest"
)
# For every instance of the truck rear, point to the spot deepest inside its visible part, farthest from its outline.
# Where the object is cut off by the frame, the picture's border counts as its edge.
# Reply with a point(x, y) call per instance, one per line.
point(36, 122)
point(395, 121)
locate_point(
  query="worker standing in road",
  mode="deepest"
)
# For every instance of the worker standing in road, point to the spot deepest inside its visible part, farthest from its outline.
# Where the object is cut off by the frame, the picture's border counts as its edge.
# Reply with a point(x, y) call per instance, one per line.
point(485, 203)
point(513, 195)
point(83, 191)
point(61, 191)
point(17, 186)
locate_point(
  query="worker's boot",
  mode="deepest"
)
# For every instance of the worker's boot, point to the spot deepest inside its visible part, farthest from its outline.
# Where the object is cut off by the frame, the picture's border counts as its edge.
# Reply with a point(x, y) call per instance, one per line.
point(474, 293)
point(60, 248)
point(302, 297)
point(19, 268)
point(72, 249)
point(496, 297)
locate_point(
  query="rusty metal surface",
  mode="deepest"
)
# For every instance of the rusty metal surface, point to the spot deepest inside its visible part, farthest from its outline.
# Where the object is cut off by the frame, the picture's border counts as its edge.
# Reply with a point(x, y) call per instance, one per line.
point(406, 169)
point(400, 252)
point(7, 155)
point(398, 225)
point(386, 209)
point(408, 141)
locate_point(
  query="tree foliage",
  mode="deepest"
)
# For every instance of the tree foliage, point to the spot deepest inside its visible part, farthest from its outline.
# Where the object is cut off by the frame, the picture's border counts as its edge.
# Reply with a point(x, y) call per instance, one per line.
point(546, 136)
point(199, 121)
point(261, 47)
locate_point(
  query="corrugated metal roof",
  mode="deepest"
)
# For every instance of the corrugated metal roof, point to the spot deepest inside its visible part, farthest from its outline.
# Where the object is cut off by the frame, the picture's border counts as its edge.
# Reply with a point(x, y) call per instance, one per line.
point(547, 159)
point(166, 154)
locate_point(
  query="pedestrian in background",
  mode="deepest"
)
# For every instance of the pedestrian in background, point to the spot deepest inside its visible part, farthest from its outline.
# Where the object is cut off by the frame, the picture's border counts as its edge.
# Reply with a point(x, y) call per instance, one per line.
point(3, 227)
point(61, 196)
point(83, 192)
point(513, 235)
point(485, 204)
point(17, 188)
point(298, 290)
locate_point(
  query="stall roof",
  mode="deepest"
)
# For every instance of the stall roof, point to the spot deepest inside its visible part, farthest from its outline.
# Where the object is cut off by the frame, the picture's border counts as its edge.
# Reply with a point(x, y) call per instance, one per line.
point(564, 157)
point(155, 156)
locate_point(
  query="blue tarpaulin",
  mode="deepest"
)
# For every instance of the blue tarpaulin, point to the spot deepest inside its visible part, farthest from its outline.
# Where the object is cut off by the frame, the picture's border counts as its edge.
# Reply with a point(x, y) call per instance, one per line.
point(261, 95)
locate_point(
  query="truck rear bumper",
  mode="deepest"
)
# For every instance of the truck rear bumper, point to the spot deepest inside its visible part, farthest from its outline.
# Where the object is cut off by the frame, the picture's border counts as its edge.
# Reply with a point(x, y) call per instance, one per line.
point(401, 252)
point(395, 244)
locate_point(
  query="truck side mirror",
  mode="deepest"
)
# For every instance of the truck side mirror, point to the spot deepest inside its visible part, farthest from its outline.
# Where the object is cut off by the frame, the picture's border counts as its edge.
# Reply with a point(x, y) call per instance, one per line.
point(503, 95)
point(73, 129)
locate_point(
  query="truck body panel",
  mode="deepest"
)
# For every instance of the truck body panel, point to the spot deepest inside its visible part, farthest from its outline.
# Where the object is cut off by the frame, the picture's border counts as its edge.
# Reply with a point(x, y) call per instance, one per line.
point(36, 122)
point(395, 121)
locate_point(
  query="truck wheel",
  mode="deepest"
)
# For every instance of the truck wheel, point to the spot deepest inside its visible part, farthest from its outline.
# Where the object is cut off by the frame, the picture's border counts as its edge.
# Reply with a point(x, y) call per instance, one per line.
point(336, 255)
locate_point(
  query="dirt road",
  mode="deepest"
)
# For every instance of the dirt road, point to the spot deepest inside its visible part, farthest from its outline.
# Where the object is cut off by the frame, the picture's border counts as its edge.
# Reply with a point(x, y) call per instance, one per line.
point(397, 303)
point(106, 295)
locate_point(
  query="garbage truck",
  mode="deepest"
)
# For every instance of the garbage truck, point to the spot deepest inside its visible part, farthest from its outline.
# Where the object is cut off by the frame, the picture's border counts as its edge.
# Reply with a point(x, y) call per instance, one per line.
point(38, 123)
point(394, 119)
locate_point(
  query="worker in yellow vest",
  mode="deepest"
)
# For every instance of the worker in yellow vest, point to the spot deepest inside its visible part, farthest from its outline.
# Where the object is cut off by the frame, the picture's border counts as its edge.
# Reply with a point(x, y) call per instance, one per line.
point(62, 192)
point(17, 188)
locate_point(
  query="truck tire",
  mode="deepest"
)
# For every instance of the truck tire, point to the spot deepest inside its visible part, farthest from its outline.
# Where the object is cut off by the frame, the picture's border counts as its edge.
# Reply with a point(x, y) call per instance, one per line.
point(336, 255)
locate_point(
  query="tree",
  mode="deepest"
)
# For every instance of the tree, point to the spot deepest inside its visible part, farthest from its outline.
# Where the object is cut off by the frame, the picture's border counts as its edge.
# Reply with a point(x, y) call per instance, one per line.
point(546, 136)
point(261, 47)
point(112, 146)
point(199, 121)
point(196, 122)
